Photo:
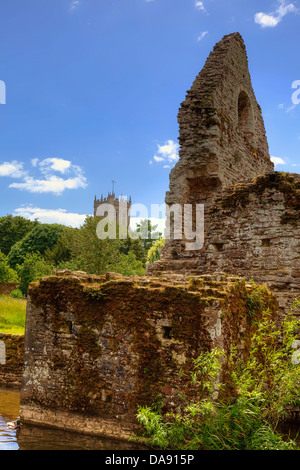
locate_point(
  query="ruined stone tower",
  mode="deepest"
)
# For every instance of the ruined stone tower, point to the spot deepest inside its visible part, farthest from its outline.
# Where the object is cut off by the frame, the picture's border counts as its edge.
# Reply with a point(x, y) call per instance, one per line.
point(251, 212)
point(221, 134)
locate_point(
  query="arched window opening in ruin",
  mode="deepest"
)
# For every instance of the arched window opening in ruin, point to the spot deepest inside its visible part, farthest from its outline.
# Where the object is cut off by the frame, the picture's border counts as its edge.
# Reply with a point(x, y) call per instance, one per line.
point(245, 115)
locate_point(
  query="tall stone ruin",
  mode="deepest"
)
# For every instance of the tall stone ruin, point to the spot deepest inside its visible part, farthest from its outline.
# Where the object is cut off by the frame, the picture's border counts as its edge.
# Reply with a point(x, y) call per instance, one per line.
point(224, 151)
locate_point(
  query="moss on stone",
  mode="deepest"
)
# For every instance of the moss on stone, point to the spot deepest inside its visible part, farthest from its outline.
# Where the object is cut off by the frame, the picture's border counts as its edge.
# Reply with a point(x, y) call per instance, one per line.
point(135, 344)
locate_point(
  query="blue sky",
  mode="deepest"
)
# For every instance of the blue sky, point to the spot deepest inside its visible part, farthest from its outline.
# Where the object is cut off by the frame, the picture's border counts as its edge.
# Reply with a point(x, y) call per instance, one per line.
point(93, 89)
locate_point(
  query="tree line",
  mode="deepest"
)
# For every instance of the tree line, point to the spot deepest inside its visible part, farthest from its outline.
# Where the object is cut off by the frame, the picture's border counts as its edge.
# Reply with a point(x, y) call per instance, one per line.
point(30, 250)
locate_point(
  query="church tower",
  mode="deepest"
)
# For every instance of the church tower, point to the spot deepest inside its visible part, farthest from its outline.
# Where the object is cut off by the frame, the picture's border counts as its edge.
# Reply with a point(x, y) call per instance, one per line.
point(120, 206)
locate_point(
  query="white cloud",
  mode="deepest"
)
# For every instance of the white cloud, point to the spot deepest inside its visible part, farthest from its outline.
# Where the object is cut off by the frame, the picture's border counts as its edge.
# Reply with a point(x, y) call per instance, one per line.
point(266, 21)
point(167, 154)
point(169, 150)
point(12, 169)
point(202, 35)
point(74, 5)
point(278, 161)
point(47, 181)
point(55, 164)
point(287, 109)
point(290, 108)
point(285, 8)
point(200, 6)
point(52, 184)
point(270, 20)
point(51, 216)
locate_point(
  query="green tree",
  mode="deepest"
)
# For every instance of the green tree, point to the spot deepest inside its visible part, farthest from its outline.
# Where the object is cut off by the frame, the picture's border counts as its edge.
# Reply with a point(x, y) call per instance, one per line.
point(12, 230)
point(147, 233)
point(60, 254)
point(88, 252)
point(134, 246)
point(81, 249)
point(41, 238)
point(33, 268)
point(7, 274)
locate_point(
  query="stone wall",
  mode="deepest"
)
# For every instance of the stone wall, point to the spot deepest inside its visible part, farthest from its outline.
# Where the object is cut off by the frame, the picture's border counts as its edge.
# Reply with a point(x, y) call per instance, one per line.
point(11, 360)
point(96, 347)
point(253, 230)
point(221, 134)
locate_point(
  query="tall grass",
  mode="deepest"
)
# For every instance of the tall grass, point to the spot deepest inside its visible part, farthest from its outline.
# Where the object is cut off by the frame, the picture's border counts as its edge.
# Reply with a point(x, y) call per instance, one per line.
point(12, 315)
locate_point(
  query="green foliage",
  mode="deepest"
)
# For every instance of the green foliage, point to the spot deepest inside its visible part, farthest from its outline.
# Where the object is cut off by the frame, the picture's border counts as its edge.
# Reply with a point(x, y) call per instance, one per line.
point(257, 393)
point(87, 252)
point(206, 372)
point(48, 246)
point(128, 265)
point(60, 252)
point(17, 294)
point(254, 300)
point(12, 230)
point(84, 251)
point(147, 233)
point(154, 251)
point(76, 249)
point(41, 238)
point(33, 268)
point(95, 294)
point(7, 274)
point(134, 246)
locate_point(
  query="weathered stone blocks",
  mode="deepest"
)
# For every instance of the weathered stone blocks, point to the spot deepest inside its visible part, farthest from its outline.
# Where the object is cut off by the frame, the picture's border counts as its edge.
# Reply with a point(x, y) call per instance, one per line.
point(11, 360)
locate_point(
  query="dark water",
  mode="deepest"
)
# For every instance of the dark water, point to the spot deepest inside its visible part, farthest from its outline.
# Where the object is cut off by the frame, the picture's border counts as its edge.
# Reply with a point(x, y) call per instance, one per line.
point(39, 438)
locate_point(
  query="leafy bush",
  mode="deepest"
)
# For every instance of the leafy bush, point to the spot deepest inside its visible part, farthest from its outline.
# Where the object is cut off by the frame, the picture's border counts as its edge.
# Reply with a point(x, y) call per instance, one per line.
point(256, 395)
point(128, 265)
point(32, 269)
point(16, 294)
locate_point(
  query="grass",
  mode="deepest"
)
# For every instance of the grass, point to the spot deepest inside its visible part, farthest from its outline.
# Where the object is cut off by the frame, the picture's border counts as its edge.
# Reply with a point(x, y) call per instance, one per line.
point(12, 315)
